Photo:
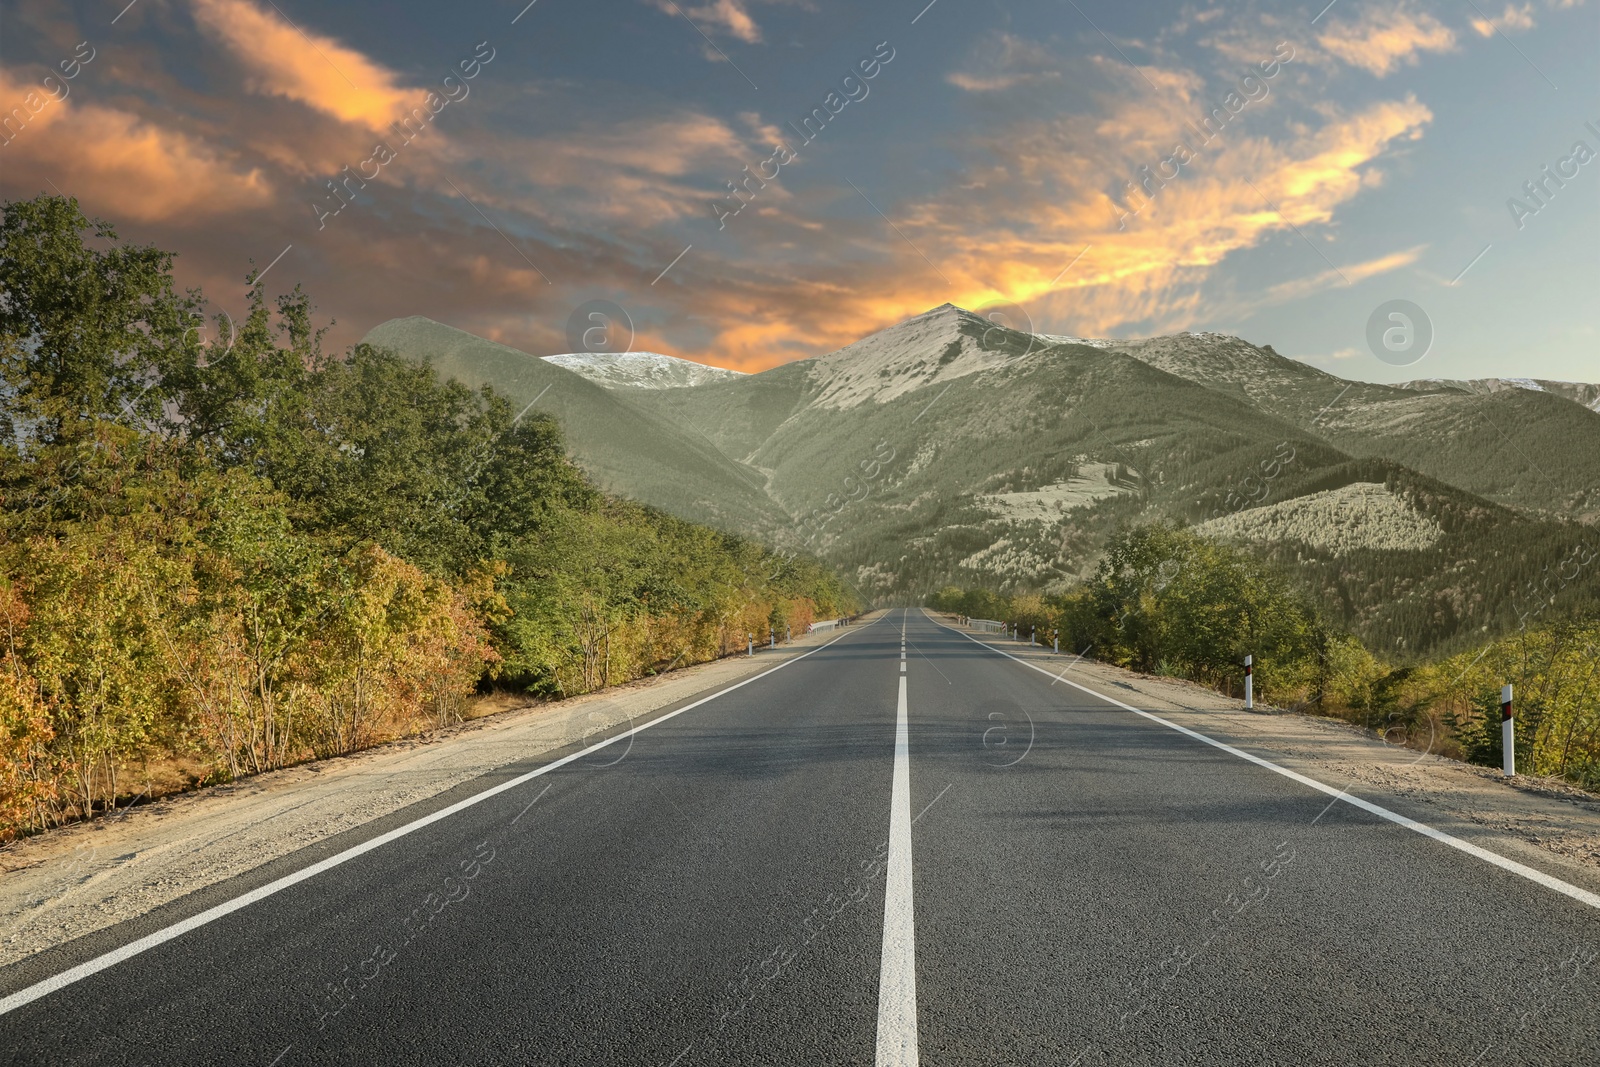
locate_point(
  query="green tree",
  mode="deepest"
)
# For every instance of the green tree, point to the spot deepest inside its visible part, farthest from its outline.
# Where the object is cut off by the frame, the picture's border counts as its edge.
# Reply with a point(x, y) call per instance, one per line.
point(85, 331)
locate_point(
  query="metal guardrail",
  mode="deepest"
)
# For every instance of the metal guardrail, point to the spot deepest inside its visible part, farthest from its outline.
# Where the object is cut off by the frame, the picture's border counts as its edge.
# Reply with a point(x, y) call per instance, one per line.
point(828, 624)
point(988, 626)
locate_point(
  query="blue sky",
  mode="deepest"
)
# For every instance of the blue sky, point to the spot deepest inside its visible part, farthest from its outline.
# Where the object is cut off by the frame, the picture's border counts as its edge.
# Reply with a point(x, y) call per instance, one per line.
point(986, 159)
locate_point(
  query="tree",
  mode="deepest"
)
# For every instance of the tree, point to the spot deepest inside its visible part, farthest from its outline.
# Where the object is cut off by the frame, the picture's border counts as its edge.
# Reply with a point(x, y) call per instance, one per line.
point(92, 644)
point(27, 774)
point(85, 332)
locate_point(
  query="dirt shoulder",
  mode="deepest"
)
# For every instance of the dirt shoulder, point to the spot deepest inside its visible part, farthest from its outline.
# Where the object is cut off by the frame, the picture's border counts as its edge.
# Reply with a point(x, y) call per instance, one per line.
point(66, 883)
point(1544, 823)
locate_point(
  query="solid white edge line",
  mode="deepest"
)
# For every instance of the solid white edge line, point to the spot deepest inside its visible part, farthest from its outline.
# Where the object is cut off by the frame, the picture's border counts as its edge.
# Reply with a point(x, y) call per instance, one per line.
point(1548, 881)
point(50, 985)
point(897, 973)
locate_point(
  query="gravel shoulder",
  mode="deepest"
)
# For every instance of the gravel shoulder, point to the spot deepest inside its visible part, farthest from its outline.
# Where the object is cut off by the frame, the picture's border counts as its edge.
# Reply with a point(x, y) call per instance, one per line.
point(1544, 823)
point(66, 883)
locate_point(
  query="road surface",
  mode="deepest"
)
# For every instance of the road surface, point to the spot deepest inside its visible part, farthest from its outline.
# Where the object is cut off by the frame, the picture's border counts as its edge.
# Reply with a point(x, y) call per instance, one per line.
point(940, 855)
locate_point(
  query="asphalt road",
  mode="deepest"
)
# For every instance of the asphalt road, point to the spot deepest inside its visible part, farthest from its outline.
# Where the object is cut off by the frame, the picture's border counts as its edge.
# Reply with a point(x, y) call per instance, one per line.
point(847, 861)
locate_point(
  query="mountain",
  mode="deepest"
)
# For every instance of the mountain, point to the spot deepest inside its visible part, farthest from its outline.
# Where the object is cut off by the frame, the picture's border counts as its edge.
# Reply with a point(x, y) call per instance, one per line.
point(627, 450)
point(1577, 392)
point(944, 449)
point(641, 370)
point(1457, 435)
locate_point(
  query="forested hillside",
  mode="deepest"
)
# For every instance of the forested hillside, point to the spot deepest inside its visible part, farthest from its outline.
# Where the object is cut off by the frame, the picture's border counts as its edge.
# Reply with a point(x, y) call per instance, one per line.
point(224, 550)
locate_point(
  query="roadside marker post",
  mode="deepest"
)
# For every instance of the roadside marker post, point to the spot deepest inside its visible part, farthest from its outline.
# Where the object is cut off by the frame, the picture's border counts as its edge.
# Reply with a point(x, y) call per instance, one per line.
point(772, 638)
point(1033, 633)
point(750, 640)
point(1508, 732)
point(1055, 642)
point(1249, 682)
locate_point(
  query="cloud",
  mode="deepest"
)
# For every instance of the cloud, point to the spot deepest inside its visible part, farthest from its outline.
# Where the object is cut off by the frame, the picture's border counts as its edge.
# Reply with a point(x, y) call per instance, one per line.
point(1371, 268)
point(1332, 358)
point(1031, 197)
point(1233, 196)
point(611, 189)
point(1300, 288)
point(643, 172)
point(1005, 61)
point(147, 171)
point(1041, 203)
point(283, 60)
point(728, 16)
point(1513, 18)
point(1380, 40)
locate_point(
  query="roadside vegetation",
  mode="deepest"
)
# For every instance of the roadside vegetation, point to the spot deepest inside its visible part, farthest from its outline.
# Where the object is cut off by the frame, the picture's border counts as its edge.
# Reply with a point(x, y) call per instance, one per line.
point(223, 550)
point(1168, 601)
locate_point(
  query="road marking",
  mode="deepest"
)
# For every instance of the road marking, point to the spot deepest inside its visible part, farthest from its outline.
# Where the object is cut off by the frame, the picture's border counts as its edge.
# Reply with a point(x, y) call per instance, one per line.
point(1548, 881)
point(897, 981)
point(149, 941)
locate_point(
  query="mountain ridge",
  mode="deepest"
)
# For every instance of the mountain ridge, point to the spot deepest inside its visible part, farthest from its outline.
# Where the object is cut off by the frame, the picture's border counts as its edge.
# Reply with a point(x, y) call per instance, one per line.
point(1581, 393)
point(627, 449)
point(948, 449)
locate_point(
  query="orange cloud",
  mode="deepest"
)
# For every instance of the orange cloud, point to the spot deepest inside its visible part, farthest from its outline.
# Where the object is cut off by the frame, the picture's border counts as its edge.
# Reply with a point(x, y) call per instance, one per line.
point(1005, 61)
point(1298, 288)
point(642, 171)
point(1231, 201)
point(283, 60)
point(726, 15)
point(1514, 18)
point(1379, 40)
point(1041, 200)
point(138, 169)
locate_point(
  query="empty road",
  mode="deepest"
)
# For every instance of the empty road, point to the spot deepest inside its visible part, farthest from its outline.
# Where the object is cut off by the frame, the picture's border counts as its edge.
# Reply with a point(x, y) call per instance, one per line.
point(902, 847)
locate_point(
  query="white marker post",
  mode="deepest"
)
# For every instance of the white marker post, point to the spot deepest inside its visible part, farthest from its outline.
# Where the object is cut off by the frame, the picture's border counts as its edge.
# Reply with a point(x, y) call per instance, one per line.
point(772, 637)
point(1249, 682)
point(1508, 732)
point(750, 648)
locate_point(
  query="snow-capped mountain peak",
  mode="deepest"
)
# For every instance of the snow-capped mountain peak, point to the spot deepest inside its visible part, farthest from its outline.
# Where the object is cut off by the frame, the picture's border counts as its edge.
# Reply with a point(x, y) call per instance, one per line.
point(641, 370)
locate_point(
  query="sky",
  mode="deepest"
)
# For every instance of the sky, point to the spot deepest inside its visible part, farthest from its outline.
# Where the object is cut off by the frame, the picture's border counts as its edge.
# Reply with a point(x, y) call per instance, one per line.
point(1279, 171)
